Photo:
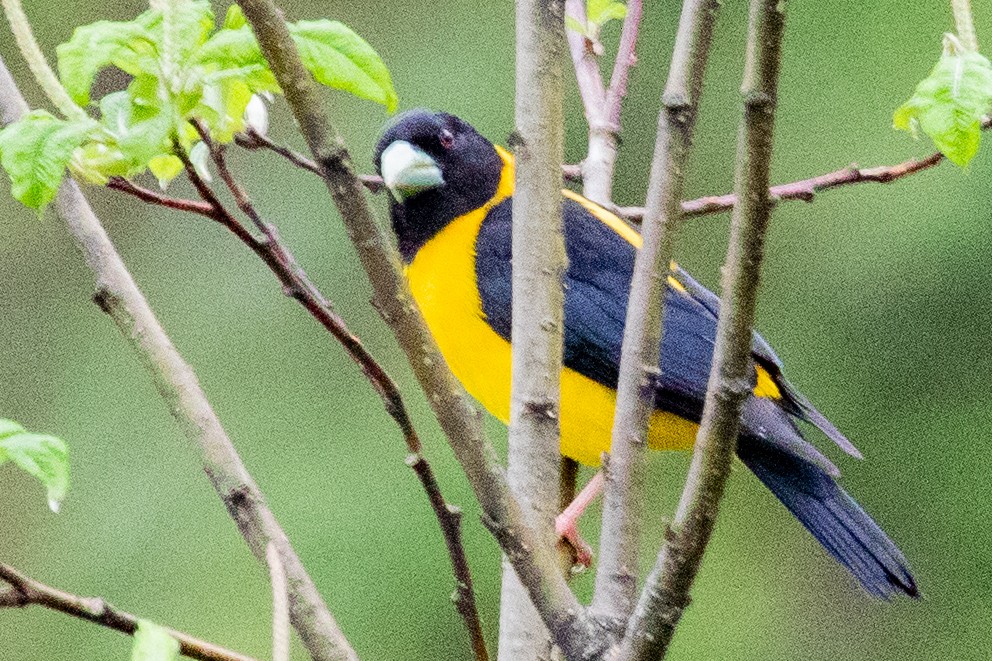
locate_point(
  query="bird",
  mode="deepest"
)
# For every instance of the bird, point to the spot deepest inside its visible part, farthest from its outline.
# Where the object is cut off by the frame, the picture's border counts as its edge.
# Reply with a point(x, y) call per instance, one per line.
point(451, 200)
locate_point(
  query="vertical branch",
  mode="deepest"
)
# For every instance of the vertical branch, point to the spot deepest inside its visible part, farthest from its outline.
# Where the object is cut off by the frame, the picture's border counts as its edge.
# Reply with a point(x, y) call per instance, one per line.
point(118, 296)
point(538, 268)
point(732, 376)
point(964, 24)
point(616, 580)
point(626, 58)
point(569, 623)
point(601, 106)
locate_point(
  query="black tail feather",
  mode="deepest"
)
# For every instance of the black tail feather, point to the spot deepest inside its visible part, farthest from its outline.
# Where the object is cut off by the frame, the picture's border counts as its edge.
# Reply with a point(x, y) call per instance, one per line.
point(835, 519)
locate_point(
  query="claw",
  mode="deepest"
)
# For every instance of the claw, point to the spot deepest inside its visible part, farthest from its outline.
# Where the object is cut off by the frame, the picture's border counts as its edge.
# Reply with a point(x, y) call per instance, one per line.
point(569, 537)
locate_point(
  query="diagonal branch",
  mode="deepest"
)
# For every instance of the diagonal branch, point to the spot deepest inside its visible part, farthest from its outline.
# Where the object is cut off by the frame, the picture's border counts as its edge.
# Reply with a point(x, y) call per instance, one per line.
point(119, 296)
point(297, 284)
point(568, 622)
point(616, 580)
point(666, 593)
point(26, 591)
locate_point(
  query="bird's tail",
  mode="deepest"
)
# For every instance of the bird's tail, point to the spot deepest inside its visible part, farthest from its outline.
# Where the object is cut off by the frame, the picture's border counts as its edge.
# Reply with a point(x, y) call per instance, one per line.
point(835, 519)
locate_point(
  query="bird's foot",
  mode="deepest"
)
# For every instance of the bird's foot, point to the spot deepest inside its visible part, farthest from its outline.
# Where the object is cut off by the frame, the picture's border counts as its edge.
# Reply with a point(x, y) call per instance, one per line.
point(571, 541)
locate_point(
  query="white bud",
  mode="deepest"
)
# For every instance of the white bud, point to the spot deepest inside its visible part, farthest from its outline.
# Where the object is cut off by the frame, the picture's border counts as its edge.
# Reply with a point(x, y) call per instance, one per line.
point(257, 115)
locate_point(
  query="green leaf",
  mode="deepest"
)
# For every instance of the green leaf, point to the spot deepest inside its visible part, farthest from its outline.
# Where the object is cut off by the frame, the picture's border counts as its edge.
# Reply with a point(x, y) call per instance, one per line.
point(165, 167)
point(235, 18)
point(9, 428)
point(339, 58)
point(572, 24)
point(949, 104)
point(153, 643)
point(234, 53)
point(35, 151)
point(601, 12)
point(184, 27)
point(129, 46)
point(44, 457)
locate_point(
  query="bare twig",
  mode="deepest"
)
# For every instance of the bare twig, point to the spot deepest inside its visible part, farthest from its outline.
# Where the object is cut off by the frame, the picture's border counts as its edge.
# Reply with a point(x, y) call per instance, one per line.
point(806, 189)
point(601, 105)
point(568, 622)
point(154, 197)
point(666, 593)
point(280, 604)
point(625, 60)
point(616, 579)
point(298, 285)
point(118, 296)
point(252, 139)
point(537, 315)
point(26, 591)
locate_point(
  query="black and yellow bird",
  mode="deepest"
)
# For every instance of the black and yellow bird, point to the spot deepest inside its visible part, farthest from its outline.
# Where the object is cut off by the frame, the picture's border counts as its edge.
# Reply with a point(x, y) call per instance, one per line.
point(451, 212)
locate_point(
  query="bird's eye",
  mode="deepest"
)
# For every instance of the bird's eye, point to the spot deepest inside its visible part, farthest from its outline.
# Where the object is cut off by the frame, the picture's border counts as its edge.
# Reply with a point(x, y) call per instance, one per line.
point(447, 139)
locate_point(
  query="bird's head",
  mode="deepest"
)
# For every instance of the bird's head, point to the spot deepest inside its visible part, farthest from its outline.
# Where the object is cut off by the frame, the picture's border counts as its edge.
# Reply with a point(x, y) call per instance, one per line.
point(436, 167)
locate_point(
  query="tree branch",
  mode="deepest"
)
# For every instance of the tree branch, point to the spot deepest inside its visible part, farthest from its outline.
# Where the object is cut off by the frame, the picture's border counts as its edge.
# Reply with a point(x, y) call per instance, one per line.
point(251, 139)
point(625, 60)
point(537, 316)
point(568, 622)
point(297, 284)
point(280, 604)
point(119, 296)
point(806, 189)
point(666, 593)
point(601, 105)
point(616, 579)
point(25, 591)
point(154, 197)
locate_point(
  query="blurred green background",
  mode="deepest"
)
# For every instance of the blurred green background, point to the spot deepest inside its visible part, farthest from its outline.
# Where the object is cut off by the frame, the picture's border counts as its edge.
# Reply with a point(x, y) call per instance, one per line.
point(877, 298)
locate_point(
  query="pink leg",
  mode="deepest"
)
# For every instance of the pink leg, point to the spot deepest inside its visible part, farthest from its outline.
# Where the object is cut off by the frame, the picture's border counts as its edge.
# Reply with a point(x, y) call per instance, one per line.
point(566, 522)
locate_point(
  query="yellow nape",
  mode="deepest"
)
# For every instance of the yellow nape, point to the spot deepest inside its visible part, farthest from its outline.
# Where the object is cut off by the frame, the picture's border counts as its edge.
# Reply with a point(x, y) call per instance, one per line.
point(442, 279)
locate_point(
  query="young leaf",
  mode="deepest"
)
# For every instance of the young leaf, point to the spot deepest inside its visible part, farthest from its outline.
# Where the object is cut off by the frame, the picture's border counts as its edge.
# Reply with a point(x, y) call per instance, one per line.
point(92, 47)
point(153, 643)
point(601, 12)
point(235, 18)
point(339, 58)
point(44, 457)
point(949, 104)
point(165, 167)
point(35, 151)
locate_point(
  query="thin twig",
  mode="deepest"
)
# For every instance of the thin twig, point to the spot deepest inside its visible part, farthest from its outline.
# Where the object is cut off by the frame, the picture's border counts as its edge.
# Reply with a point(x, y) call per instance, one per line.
point(616, 579)
point(297, 284)
point(280, 604)
point(666, 593)
point(537, 307)
point(568, 622)
point(252, 139)
point(601, 105)
point(119, 296)
point(26, 591)
point(625, 60)
point(964, 24)
point(805, 189)
point(154, 197)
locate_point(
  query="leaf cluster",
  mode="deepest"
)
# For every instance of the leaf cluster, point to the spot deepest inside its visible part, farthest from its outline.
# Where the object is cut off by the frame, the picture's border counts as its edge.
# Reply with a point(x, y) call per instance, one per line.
point(181, 67)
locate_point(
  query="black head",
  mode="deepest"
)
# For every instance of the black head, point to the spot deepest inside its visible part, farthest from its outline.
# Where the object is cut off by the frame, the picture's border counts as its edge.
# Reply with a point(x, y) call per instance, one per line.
point(437, 168)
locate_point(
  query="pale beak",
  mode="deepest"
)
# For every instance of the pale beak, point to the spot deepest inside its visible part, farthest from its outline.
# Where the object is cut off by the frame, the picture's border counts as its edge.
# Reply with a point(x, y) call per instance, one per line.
point(408, 170)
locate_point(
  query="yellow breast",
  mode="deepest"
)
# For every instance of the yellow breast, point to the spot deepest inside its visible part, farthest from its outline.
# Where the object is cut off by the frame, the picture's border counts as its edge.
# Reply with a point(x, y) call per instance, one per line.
point(442, 278)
